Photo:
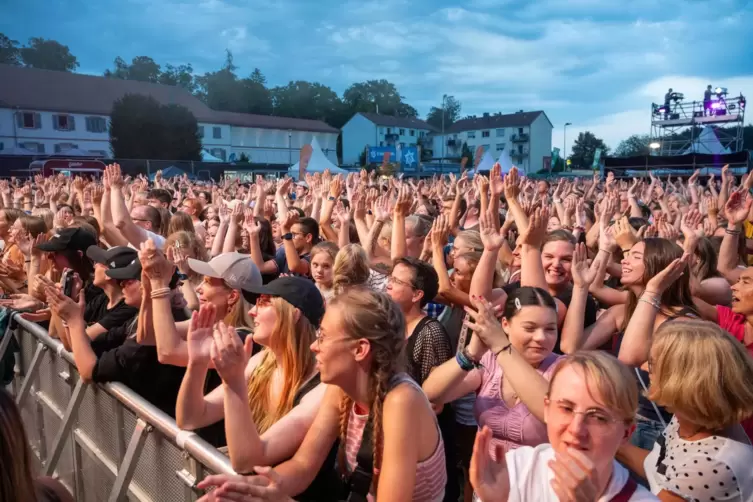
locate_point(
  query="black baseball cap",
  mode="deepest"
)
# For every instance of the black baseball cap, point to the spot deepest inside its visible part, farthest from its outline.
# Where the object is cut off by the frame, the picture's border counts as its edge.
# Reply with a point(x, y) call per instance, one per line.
point(115, 257)
point(127, 271)
point(299, 292)
point(71, 238)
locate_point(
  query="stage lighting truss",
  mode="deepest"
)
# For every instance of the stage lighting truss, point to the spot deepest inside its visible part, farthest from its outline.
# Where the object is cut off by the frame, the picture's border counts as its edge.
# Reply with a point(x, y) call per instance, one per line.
point(677, 127)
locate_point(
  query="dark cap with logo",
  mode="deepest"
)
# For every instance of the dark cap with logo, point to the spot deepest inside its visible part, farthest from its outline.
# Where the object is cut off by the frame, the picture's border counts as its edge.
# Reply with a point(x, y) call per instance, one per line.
point(71, 238)
point(299, 292)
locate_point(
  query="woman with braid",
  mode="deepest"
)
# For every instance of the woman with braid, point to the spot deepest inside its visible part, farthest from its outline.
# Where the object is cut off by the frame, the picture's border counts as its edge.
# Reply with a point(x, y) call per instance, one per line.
point(391, 447)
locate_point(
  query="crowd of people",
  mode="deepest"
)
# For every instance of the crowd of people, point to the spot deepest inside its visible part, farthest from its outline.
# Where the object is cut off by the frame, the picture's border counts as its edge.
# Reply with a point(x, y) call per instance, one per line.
point(365, 338)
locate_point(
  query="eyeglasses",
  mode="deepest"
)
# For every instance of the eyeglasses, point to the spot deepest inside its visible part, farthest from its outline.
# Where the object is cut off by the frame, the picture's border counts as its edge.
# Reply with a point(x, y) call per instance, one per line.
point(594, 419)
point(391, 279)
point(321, 337)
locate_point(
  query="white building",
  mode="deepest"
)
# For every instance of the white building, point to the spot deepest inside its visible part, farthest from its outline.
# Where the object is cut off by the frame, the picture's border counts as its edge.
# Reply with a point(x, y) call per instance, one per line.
point(49, 111)
point(527, 136)
point(371, 129)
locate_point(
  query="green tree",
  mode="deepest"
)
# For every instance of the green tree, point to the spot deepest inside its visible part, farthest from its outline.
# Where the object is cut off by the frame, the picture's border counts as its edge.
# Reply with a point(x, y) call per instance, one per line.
point(141, 128)
point(634, 146)
point(181, 133)
point(451, 110)
point(306, 100)
point(465, 152)
point(9, 52)
point(48, 55)
point(142, 68)
point(258, 77)
point(223, 90)
point(243, 159)
point(179, 76)
point(584, 148)
point(376, 94)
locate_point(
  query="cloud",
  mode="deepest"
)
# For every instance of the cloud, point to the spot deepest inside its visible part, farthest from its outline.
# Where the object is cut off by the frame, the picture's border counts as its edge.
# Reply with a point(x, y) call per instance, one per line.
point(595, 63)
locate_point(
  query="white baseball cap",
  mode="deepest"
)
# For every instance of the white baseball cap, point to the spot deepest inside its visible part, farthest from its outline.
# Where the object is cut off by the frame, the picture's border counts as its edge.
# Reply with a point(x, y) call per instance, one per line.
point(236, 269)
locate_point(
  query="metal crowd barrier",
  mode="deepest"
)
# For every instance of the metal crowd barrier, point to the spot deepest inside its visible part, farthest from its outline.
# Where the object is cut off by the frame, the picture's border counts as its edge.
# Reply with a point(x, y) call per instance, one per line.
point(104, 442)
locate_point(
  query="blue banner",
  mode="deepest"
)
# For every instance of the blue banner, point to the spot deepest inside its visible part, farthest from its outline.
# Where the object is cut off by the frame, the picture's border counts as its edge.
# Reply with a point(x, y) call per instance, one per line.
point(376, 153)
point(409, 158)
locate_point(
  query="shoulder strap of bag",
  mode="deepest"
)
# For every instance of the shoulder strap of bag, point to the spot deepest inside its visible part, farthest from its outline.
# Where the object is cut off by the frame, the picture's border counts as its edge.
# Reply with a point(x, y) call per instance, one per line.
point(628, 489)
point(360, 478)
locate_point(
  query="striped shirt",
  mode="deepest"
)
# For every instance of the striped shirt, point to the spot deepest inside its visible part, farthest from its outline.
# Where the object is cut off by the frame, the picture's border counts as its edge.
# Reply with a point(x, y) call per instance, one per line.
point(431, 474)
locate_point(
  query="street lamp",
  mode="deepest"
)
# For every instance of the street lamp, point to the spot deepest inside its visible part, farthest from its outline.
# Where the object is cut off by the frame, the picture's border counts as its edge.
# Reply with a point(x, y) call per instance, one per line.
point(444, 140)
point(564, 141)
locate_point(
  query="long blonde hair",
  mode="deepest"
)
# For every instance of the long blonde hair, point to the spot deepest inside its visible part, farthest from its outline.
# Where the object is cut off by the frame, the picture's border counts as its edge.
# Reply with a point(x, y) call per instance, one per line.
point(375, 317)
point(292, 339)
point(351, 268)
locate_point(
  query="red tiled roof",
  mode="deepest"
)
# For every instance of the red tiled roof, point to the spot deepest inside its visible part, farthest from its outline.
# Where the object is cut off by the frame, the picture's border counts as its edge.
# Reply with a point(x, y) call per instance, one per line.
point(56, 91)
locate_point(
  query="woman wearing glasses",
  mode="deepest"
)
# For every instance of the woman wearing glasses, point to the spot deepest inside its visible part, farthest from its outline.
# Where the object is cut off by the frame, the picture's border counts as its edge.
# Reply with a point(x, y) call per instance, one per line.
point(589, 410)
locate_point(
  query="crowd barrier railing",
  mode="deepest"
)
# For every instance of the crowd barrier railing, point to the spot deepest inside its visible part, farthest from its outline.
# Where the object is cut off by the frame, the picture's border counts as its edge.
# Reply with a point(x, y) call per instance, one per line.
point(104, 442)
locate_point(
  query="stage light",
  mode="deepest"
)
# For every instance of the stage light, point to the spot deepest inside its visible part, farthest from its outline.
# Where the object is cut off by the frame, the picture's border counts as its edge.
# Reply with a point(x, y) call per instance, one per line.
point(720, 90)
point(654, 145)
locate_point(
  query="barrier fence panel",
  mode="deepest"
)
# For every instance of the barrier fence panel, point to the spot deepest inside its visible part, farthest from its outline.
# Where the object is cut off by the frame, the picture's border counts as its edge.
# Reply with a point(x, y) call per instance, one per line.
point(104, 442)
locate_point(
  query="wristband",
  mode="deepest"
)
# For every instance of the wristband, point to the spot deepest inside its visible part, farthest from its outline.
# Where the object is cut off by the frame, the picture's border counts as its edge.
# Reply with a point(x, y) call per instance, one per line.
point(507, 348)
point(182, 277)
point(288, 236)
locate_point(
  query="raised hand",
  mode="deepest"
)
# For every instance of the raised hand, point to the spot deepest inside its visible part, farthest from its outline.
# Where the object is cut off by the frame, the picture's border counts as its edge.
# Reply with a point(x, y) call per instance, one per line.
point(535, 233)
point(64, 307)
point(199, 340)
point(489, 478)
point(583, 275)
point(229, 354)
point(155, 265)
point(575, 476)
point(485, 324)
point(737, 207)
point(490, 237)
point(661, 281)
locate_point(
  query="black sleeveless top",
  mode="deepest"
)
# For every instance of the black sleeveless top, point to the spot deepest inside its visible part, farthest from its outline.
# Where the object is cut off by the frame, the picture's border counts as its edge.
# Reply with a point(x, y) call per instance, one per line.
point(320, 490)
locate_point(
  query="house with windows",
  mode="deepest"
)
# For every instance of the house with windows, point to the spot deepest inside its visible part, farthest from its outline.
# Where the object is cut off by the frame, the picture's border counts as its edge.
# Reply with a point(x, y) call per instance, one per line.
point(372, 129)
point(526, 136)
point(48, 111)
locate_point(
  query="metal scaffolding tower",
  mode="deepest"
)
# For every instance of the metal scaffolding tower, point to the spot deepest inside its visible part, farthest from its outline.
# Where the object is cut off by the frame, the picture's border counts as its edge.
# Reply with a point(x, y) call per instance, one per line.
point(677, 128)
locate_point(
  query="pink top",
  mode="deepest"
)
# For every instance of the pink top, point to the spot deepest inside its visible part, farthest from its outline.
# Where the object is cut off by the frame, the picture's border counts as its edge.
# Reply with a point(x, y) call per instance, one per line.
point(735, 325)
point(431, 474)
point(511, 427)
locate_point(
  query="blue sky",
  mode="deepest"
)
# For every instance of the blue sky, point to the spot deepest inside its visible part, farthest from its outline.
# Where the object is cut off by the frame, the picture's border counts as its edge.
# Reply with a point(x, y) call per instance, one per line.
point(595, 63)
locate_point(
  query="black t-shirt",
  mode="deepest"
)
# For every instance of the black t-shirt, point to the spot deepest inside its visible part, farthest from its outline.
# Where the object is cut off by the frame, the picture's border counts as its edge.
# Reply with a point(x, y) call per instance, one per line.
point(96, 312)
point(588, 319)
point(120, 358)
point(92, 296)
point(267, 278)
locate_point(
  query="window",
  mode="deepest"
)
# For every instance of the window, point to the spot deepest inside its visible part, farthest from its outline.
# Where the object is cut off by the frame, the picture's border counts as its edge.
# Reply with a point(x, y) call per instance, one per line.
point(381, 130)
point(96, 124)
point(33, 146)
point(500, 147)
point(217, 133)
point(500, 133)
point(64, 146)
point(218, 152)
point(28, 120)
point(2, 146)
point(389, 130)
point(402, 131)
point(520, 130)
point(63, 123)
point(421, 134)
point(412, 132)
point(402, 145)
point(484, 134)
point(471, 134)
point(201, 131)
point(381, 143)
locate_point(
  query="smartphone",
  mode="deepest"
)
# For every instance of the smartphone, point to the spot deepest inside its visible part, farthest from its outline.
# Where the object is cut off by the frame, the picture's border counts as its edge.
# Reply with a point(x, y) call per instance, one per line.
point(67, 283)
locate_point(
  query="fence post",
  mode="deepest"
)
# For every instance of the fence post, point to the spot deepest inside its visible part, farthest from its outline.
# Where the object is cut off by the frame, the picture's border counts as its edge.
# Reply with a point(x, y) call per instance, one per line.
point(65, 427)
point(30, 375)
point(128, 467)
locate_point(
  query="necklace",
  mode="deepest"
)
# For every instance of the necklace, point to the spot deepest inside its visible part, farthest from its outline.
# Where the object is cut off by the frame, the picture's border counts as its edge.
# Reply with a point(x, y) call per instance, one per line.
point(687, 437)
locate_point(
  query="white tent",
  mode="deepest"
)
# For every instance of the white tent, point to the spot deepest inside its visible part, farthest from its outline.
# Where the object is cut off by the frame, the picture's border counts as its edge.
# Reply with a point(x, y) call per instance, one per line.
point(487, 162)
point(317, 164)
point(505, 162)
point(208, 157)
point(708, 143)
